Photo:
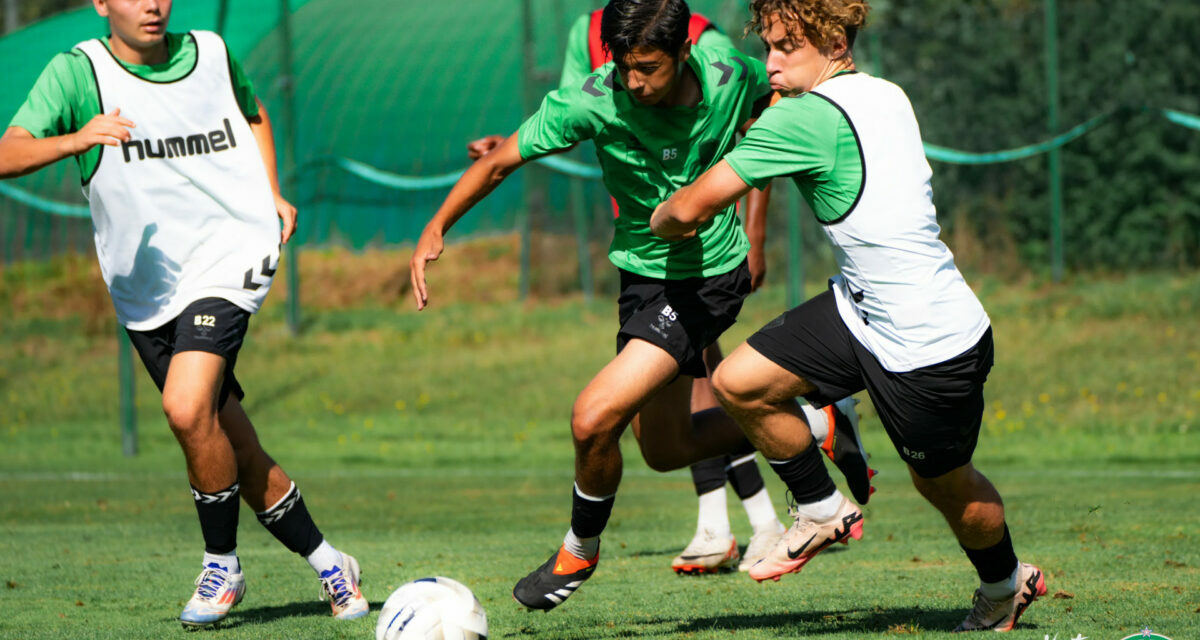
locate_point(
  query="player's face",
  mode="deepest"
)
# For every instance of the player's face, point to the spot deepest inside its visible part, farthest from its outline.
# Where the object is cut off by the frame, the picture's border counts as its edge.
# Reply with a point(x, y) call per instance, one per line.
point(649, 75)
point(794, 65)
point(140, 24)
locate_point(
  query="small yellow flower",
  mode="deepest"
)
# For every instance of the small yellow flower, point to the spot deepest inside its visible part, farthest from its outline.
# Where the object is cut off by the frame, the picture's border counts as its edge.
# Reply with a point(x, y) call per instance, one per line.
point(1001, 414)
point(1121, 387)
point(341, 440)
point(1162, 396)
point(423, 399)
point(401, 405)
point(1044, 398)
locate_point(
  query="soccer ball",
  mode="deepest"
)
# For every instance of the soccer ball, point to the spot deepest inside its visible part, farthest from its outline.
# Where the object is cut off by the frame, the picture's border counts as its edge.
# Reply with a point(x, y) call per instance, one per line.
point(432, 609)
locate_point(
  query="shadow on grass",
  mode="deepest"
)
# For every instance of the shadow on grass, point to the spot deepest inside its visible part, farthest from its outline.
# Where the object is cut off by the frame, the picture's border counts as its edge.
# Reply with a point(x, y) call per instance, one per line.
point(856, 622)
point(261, 615)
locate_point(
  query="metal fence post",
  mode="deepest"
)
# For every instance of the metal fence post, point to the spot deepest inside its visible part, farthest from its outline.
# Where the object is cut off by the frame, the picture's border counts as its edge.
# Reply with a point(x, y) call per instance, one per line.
point(129, 442)
point(1056, 205)
point(287, 87)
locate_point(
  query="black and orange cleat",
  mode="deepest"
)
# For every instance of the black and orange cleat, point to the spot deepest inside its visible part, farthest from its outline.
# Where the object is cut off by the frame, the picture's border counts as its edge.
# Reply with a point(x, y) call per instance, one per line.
point(844, 447)
point(552, 583)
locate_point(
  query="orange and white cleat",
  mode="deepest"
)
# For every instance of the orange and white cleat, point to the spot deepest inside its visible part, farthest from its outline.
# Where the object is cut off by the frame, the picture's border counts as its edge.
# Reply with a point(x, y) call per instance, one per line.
point(1002, 615)
point(217, 591)
point(708, 552)
point(805, 539)
point(340, 585)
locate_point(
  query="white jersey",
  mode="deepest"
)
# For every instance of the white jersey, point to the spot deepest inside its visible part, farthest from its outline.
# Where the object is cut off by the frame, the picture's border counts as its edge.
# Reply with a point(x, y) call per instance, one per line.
point(899, 292)
point(184, 210)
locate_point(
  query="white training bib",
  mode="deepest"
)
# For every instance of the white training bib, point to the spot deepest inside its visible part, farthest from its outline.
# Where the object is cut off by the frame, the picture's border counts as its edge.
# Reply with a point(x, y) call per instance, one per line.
point(184, 210)
point(899, 292)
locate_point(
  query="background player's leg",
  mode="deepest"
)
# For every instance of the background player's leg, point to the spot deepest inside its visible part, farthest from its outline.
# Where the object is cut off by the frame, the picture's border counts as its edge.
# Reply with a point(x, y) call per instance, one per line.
point(281, 509)
point(708, 551)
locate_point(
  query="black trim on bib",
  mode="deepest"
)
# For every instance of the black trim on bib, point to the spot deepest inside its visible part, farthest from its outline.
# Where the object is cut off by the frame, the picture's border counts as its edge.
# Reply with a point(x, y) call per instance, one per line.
point(183, 77)
point(862, 159)
point(100, 97)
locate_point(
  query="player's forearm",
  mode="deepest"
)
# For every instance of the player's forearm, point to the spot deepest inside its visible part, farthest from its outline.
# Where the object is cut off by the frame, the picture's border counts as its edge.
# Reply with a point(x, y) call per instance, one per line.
point(477, 182)
point(22, 154)
point(260, 126)
point(756, 216)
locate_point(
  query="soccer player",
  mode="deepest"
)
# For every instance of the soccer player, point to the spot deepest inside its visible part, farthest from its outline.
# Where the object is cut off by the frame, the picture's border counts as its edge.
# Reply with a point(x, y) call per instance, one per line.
point(659, 115)
point(713, 547)
point(178, 165)
point(899, 320)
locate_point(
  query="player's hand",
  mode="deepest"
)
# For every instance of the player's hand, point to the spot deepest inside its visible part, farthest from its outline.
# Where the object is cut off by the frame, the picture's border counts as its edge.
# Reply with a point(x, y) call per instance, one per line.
point(477, 149)
point(429, 248)
point(287, 213)
point(107, 128)
point(758, 267)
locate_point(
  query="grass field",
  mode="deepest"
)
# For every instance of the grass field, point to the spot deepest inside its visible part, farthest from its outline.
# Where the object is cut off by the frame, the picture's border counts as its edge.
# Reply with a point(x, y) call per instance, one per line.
point(437, 443)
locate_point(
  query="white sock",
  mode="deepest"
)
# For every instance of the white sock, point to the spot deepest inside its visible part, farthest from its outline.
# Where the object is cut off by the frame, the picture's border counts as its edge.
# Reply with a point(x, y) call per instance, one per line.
point(325, 558)
point(585, 548)
point(818, 422)
point(761, 512)
point(1002, 589)
point(229, 561)
point(713, 514)
point(822, 509)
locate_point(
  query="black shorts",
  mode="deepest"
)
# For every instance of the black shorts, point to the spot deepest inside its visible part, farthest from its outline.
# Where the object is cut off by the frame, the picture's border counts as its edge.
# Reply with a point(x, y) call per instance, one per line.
point(212, 325)
point(682, 317)
point(932, 414)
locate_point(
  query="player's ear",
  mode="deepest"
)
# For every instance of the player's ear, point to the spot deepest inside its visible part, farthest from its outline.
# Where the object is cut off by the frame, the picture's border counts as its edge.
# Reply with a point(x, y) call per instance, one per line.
point(685, 51)
point(101, 7)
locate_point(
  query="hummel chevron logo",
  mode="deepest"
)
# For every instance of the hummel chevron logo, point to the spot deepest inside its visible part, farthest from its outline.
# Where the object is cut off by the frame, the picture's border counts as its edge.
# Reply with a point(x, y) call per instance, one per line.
point(248, 281)
point(589, 87)
point(726, 72)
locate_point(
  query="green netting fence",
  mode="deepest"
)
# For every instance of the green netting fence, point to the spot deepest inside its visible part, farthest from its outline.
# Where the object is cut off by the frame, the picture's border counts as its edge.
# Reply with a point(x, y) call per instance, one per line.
point(1079, 151)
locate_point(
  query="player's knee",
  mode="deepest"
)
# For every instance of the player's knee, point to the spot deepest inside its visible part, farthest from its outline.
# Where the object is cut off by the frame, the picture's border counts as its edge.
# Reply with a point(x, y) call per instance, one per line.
point(731, 390)
point(590, 421)
point(187, 416)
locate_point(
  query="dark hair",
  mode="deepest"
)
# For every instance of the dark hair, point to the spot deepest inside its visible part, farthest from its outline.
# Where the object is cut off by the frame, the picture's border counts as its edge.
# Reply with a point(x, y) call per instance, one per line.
point(657, 24)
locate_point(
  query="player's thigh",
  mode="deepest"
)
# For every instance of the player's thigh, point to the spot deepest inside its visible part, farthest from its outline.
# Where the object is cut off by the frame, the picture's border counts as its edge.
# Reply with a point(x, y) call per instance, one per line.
point(748, 376)
point(665, 417)
point(623, 386)
point(192, 386)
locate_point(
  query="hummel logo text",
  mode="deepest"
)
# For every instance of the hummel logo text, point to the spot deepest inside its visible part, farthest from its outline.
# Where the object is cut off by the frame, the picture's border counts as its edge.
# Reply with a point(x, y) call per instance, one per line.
point(179, 146)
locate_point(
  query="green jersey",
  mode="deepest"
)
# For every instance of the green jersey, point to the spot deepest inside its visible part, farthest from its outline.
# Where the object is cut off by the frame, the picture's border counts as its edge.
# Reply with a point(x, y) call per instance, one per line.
point(648, 152)
point(65, 97)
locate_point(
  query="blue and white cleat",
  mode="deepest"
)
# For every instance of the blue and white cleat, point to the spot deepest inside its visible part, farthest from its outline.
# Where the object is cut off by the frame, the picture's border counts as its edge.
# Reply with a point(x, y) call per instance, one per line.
point(217, 591)
point(340, 586)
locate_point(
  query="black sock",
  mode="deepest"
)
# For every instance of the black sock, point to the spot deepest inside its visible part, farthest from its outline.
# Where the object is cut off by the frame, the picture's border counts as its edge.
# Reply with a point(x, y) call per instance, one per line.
point(290, 523)
point(744, 475)
point(805, 476)
point(218, 518)
point(589, 517)
point(996, 562)
point(709, 475)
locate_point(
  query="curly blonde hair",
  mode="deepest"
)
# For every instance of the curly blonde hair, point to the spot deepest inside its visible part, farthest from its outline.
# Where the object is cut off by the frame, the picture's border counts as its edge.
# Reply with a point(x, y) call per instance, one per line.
point(821, 21)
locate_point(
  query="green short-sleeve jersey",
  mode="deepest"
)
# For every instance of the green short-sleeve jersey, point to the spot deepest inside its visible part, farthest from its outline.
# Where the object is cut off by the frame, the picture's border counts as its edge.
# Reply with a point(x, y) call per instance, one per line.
point(809, 139)
point(648, 153)
point(65, 97)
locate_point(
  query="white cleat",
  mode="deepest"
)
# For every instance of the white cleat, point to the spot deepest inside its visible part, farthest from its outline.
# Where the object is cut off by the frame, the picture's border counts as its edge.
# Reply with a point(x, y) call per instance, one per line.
point(340, 586)
point(217, 591)
point(760, 545)
point(1002, 615)
point(708, 552)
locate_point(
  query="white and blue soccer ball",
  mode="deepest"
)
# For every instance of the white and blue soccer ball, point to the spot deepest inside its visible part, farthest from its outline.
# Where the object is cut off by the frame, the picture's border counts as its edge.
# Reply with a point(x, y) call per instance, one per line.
point(432, 609)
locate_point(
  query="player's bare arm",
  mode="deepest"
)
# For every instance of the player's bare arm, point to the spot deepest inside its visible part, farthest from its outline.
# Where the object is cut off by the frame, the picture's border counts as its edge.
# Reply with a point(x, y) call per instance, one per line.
point(479, 180)
point(756, 231)
point(260, 125)
point(697, 203)
point(21, 153)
